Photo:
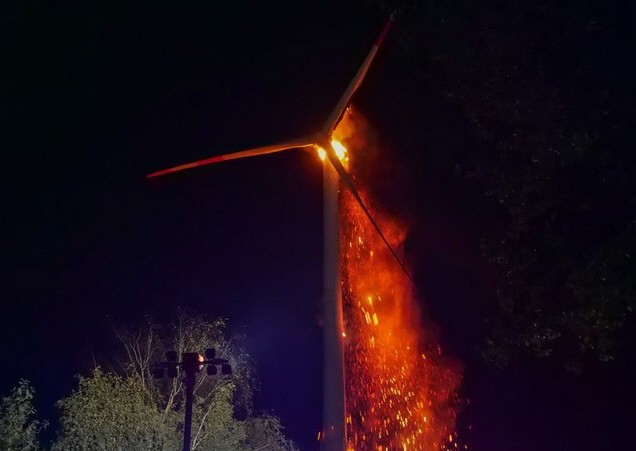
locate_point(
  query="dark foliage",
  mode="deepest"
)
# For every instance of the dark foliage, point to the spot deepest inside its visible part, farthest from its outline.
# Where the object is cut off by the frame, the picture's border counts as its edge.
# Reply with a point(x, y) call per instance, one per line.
point(548, 91)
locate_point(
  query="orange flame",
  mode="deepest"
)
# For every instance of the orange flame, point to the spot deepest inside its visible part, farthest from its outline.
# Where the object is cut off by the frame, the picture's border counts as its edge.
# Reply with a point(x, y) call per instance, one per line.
point(341, 151)
point(400, 393)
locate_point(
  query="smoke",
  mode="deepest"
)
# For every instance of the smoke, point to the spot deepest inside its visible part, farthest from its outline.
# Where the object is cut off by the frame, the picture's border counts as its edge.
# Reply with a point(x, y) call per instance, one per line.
point(385, 178)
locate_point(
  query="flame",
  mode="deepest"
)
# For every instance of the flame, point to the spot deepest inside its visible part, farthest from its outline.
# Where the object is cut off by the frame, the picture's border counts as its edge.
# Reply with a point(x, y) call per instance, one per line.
point(339, 149)
point(400, 392)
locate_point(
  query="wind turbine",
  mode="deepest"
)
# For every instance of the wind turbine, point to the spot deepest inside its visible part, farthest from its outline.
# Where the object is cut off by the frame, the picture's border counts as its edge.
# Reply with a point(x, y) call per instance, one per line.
point(333, 437)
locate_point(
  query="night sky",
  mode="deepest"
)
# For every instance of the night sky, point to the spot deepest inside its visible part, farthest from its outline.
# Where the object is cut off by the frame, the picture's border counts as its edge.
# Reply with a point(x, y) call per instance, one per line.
point(93, 98)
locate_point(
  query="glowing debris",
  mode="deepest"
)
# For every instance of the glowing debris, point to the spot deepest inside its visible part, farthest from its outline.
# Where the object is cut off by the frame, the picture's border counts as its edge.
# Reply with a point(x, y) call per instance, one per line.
point(400, 392)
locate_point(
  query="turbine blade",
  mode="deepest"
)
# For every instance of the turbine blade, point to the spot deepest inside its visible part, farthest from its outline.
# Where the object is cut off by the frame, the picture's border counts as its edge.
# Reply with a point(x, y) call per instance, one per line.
point(296, 143)
point(349, 183)
point(343, 103)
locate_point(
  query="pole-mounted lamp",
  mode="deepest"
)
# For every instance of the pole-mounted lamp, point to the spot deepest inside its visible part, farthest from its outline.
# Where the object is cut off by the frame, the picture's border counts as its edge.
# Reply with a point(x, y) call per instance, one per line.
point(191, 363)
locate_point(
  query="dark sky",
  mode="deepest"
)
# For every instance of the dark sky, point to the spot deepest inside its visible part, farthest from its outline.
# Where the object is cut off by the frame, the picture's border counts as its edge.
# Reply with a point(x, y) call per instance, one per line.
point(96, 97)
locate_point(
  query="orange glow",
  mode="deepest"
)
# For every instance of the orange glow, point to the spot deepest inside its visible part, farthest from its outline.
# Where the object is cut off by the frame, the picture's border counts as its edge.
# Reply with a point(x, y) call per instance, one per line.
point(340, 150)
point(400, 391)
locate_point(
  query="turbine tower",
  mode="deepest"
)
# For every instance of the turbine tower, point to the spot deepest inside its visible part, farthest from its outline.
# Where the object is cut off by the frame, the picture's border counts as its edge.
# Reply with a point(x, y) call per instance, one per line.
point(333, 436)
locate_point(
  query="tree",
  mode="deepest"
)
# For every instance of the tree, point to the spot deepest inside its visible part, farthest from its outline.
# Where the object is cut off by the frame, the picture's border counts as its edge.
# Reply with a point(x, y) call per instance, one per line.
point(127, 409)
point(550, 102)
point(18, 427)
point(111, 412)
point(266, 432)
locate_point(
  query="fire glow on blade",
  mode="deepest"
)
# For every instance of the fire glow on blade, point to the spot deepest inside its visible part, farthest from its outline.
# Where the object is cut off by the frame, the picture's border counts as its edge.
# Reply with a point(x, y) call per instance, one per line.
point(400, 393)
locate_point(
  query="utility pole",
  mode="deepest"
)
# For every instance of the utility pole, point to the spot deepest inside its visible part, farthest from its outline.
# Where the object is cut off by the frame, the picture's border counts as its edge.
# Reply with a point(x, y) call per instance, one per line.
point(191, 363)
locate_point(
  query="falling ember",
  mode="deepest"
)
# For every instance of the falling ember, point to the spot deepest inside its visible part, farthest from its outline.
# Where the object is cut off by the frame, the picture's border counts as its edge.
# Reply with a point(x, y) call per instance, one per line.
point(399, 392)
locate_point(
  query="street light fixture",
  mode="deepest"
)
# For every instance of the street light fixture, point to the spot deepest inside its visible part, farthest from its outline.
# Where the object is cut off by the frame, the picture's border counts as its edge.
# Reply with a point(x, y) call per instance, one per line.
point(191, 363)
